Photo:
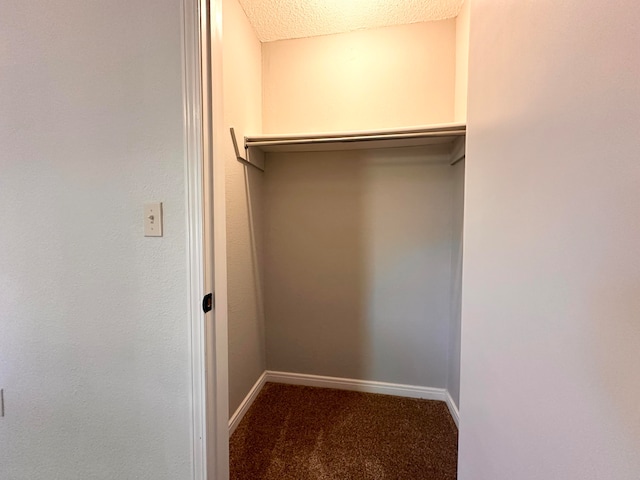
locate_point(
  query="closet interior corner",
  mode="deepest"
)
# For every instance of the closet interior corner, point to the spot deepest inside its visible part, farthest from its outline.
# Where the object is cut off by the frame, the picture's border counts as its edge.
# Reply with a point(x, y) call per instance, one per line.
point(345, 193)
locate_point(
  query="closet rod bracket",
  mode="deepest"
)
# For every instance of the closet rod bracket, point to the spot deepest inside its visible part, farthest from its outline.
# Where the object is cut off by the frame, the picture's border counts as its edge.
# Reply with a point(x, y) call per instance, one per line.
point(246, 160)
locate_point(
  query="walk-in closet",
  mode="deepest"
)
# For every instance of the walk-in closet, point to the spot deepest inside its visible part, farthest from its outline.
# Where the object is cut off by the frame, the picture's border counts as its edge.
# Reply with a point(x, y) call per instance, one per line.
point(345, 163)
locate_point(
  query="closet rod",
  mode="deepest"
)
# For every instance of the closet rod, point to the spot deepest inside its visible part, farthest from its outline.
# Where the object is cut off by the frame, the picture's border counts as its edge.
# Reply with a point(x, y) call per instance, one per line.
point(362, 138)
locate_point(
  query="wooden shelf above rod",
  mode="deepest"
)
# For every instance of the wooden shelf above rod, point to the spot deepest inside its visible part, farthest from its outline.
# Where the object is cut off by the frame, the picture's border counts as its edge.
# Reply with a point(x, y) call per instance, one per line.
point(257, 145)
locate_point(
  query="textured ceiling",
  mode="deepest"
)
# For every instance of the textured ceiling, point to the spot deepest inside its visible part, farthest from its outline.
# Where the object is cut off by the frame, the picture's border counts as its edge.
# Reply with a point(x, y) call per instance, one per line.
point(283, 19)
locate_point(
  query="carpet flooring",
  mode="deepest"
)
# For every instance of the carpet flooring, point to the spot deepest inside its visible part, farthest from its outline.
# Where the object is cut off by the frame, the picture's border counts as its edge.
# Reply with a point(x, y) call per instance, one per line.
point(305, 433)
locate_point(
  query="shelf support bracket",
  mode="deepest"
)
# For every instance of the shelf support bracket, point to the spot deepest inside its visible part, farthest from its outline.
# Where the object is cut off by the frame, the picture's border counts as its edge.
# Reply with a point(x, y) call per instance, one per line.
point(459, 151)
point(257, 163)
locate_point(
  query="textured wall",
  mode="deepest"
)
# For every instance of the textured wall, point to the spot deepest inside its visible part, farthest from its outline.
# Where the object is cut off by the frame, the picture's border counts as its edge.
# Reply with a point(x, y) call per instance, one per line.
point(358, 265)
point(243, 110)
point(94, 356)
point(463, 23)
point(385, 77)
point(550, 384)
point(286, 19)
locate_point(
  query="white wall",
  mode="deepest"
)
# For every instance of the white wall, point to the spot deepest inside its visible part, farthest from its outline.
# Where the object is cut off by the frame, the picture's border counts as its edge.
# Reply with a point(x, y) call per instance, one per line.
point(550, 384)
point(378, 78)
point(94, 355)
point(358, 264)
point(455, 324)
point(463, 23)
point(243, 110)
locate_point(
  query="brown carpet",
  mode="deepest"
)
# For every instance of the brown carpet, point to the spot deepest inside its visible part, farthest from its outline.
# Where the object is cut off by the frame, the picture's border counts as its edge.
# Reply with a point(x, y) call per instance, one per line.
point(304, 433)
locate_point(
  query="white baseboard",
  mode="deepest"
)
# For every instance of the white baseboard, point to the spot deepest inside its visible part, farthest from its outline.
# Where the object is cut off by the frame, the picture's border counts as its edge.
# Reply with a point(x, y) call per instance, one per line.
point(366, 386)
point(358, 385)
point(237, 417)
point(453, 409)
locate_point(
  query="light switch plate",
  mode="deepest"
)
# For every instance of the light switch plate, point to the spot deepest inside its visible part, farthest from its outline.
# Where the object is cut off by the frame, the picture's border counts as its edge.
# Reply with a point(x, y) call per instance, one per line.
point(153, 220)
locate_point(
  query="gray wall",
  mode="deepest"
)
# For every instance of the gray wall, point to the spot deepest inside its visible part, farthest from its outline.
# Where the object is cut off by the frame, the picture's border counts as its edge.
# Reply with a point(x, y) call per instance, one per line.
point(551, 303)
point(358, 264)
point(94, 350)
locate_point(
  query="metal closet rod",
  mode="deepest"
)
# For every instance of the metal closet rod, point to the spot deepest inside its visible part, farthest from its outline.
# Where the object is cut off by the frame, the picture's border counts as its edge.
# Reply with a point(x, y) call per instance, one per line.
point(454, 127)
point(349, 139)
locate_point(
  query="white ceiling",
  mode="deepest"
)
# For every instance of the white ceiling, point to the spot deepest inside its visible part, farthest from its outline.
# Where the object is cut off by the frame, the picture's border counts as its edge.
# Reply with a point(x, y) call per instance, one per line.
point(284, 19)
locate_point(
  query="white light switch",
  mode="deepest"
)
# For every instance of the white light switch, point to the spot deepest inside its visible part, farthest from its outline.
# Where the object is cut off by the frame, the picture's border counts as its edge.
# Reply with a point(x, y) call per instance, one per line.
point(153, 220)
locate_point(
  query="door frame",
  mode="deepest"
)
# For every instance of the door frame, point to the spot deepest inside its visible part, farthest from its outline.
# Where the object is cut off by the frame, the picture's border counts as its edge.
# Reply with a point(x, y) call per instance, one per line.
point(206, 227)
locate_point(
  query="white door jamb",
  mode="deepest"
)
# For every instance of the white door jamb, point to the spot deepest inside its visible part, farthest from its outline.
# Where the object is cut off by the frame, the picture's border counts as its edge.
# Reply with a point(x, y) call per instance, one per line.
point(202, 46)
